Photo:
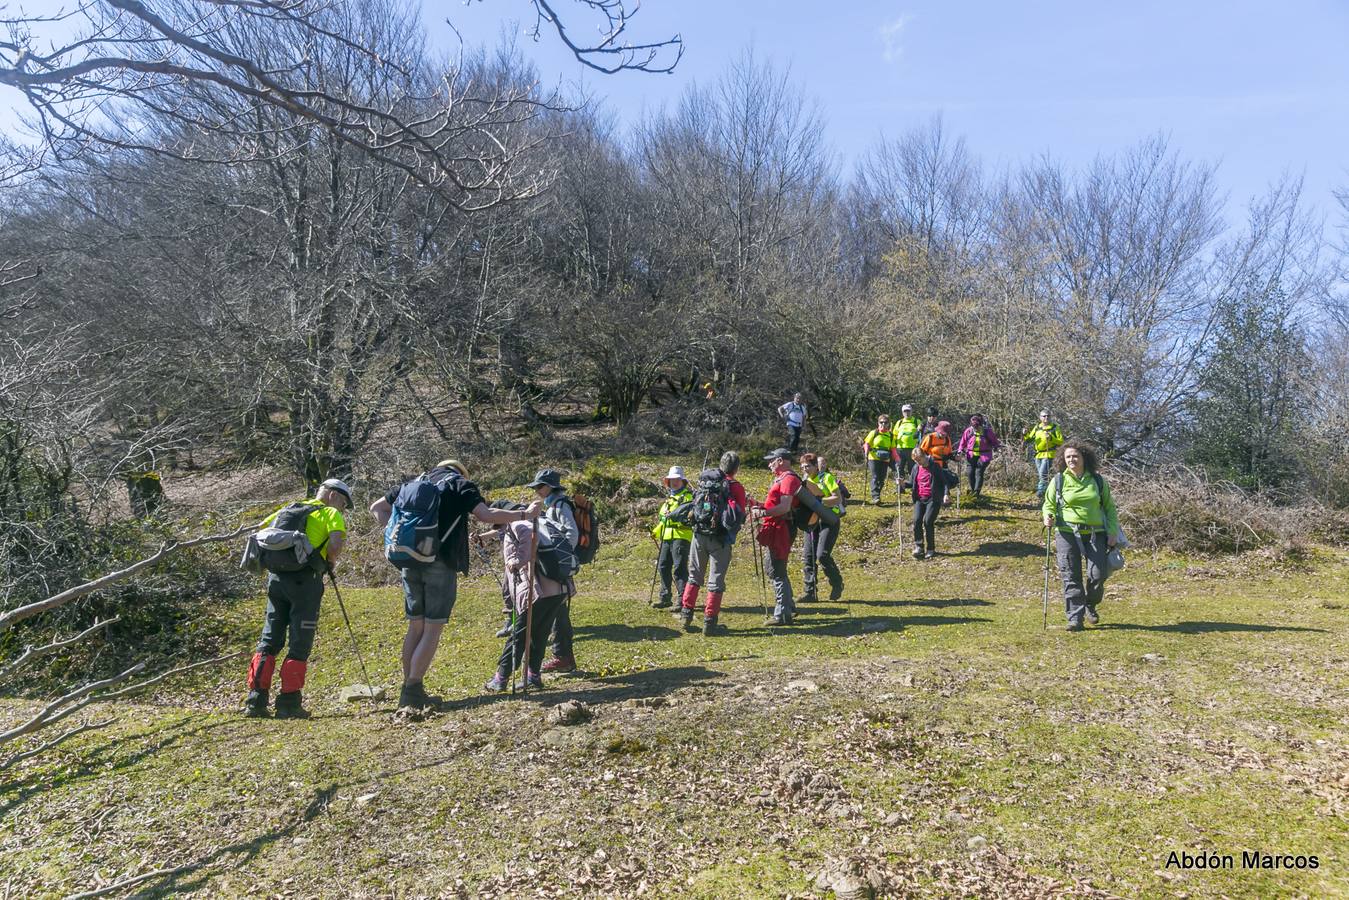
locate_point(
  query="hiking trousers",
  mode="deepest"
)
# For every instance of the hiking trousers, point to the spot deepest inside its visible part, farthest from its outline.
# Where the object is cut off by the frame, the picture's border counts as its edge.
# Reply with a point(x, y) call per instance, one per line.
point(818, 553)
point(880, 473)
point(977, 470)
point(1043, 468)
point(673, 566)
point(1081, 560)
point(292, 613)
point(563, 634)
point(904, 467)
point(793, 437)
point(925, 521)
point(784, 605)
point(709, 559)
point(541, 622)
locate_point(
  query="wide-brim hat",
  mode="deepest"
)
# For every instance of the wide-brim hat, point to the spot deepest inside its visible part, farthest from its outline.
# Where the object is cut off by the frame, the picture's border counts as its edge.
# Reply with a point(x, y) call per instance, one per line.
point(780, 453)
point(675, 472)
point(337, 484)
point(550, 477)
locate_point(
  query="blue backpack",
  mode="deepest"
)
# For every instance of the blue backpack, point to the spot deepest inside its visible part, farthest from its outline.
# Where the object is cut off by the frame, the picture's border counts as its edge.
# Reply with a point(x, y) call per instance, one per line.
point(412, 538)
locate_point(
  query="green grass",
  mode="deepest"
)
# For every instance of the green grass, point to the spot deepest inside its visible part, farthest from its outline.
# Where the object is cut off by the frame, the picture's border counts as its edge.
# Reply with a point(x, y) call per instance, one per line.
point(1072, 762)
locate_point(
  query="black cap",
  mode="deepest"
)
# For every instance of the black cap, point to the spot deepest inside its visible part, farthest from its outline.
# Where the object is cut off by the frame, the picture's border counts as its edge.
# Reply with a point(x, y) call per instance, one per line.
point(550, 477)
point(932, 410)
point(780, 453)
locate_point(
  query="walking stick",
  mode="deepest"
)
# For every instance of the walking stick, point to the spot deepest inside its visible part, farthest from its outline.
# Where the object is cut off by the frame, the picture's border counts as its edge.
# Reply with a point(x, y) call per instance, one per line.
point(655, 572)
point(369, 686)
point(529, 609)
point(1045, 624)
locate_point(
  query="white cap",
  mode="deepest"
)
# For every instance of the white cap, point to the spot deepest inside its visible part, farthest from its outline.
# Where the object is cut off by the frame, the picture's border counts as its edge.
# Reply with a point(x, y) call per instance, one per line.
point(675, 472)
point(908, 407)
point(340, 486)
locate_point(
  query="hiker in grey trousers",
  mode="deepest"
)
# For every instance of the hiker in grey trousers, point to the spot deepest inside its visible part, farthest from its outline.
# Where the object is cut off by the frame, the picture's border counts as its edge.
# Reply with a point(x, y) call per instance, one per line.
point(1079, 508)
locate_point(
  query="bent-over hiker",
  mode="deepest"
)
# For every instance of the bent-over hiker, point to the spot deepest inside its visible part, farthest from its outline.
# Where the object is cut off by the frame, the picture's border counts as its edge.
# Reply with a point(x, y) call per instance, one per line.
point(673, 537)
point(817, 551)
point(558, 525)
point(430, 587)
point(526, 585)
point(1079, 508)
point(293, 596)
point(719, 509)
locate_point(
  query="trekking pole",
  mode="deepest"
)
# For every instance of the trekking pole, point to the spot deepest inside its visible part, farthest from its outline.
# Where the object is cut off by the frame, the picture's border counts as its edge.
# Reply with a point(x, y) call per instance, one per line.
point(369, 685)
point(529, 611)
point(655, 572)
point(1045, 624)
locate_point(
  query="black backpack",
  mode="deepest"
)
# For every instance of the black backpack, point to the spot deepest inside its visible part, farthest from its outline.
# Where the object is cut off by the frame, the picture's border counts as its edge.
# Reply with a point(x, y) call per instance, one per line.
point(284, 547)
point(712, 504)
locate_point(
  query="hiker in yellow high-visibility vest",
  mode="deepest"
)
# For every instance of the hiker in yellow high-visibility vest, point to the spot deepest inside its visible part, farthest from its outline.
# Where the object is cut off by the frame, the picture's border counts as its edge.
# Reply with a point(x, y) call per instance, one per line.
point(907, 432)
point(674, 537)
point(1046, 438)
point(879, 448)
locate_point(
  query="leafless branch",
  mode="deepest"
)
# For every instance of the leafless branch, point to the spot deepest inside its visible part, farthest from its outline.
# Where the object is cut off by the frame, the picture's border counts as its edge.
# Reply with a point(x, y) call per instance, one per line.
point(31, 653)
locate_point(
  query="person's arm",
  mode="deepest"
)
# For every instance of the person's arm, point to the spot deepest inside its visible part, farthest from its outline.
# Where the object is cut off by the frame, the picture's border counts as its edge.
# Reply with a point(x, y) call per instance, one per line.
point(381, 509)
point(484, 513)
point(1111, 513)
point(1049, 508)
point(835, 498)
point(337, 542)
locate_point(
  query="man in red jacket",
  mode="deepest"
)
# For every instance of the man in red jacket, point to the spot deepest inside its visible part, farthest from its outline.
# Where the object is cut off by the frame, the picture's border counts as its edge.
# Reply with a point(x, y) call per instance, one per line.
point(777, 531)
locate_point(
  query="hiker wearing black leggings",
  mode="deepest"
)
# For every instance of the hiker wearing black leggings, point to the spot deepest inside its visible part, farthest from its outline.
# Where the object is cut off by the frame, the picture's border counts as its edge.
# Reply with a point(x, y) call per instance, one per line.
point(929, 491)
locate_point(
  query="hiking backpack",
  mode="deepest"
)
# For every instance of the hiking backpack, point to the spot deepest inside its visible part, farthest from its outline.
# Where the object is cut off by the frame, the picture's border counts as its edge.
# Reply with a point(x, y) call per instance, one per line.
point(556, 559)
point(284, 546)
point(589, 526)
point(1058, 495)
point(712, 511)
point(412, 538)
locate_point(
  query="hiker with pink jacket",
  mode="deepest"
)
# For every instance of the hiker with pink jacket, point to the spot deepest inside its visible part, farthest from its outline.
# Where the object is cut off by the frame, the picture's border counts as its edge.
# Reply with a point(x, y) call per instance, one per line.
point(977, 445)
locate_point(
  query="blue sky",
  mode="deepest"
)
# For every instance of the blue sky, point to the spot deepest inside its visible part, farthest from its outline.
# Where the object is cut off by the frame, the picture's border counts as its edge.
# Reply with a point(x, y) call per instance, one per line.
point(1258, 88)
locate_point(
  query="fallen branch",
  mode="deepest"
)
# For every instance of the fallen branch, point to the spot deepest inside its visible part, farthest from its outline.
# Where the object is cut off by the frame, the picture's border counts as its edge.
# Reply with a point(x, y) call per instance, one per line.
point(43, 748)
point(31, 653)
point(53, 711)
point(26, 612)
point(137, 688)
point(130, 882)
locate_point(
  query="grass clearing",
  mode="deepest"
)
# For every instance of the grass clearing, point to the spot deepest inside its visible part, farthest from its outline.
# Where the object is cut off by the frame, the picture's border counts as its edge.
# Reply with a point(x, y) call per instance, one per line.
point(927, 734)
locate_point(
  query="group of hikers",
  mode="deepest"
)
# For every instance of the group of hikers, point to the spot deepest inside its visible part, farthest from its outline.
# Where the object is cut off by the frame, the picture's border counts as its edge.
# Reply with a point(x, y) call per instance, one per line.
point(429, 537)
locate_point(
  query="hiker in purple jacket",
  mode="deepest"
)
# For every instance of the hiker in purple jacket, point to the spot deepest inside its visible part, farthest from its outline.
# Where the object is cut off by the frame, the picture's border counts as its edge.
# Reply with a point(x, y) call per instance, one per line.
point(977, 445)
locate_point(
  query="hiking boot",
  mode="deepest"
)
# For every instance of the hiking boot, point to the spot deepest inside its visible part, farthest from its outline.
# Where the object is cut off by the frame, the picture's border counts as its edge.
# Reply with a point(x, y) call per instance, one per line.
point(255, 705)
point(560, 665)
point(917, 552)
point(686, 619)
point(1092, 617)
point(663, 603)
point(414, 694)
point(506, 628)
point(497, 685)
point(836, 594)
point(929, 554)
point(1074, 626)
point(534, 680)
point(288, 706)
point(710, 627)
point(809, 598)
point(777, 621)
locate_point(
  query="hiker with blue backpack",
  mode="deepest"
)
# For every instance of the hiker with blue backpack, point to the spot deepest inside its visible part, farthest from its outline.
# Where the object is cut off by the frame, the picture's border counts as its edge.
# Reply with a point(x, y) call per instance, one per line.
point(296, 545)
point(1080, 511)
point(426, 531)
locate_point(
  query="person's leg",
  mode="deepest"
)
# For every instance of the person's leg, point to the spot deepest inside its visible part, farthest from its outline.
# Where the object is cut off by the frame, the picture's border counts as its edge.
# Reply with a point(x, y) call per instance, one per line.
point(1095, 572)
point(306, 593)
point(783, 605)
point(930, 524)
point(1042, 468)
point(681, 566)
point(720, 560)
point(824, 552)
point(877, 470)
point(512, 655)
point(414, 610)
point(439, 587)
point(698, 566)
point(1070, 568)
point(545, 615)
point(260, 668)
point(808, 566)
point(563, 636)
point(919, 509)
point(665, 570)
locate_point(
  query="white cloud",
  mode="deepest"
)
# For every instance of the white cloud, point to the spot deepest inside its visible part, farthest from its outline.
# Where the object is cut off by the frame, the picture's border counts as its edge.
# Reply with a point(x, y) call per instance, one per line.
point(890, 33)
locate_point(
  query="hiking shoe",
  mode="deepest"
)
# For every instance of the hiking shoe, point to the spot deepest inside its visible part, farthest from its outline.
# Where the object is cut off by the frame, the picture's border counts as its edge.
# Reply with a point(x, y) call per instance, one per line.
point(808, 598)
point(497, 685)
point(686, 619)
point(777, 621)
point(288, 706)
point(917, 552)
point(663, 603)
point(534, 680)
point(1074, 626)
point(710, 627)
point(255, 706)
point(1092, 617)
point(560, 665)
point(505, 630)
point(835, 594)
point(929, 554)
point(414, 694)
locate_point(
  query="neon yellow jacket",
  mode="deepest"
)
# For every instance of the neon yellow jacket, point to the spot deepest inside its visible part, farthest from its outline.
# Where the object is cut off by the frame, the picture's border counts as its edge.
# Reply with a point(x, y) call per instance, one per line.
point(907, 431)
point(828, 486)
point(666, 529)
point(880, 443)
point(1046, 437)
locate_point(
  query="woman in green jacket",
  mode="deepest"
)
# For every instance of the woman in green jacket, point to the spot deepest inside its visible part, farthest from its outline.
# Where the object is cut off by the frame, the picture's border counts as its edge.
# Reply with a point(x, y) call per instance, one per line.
point(1080, 509)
